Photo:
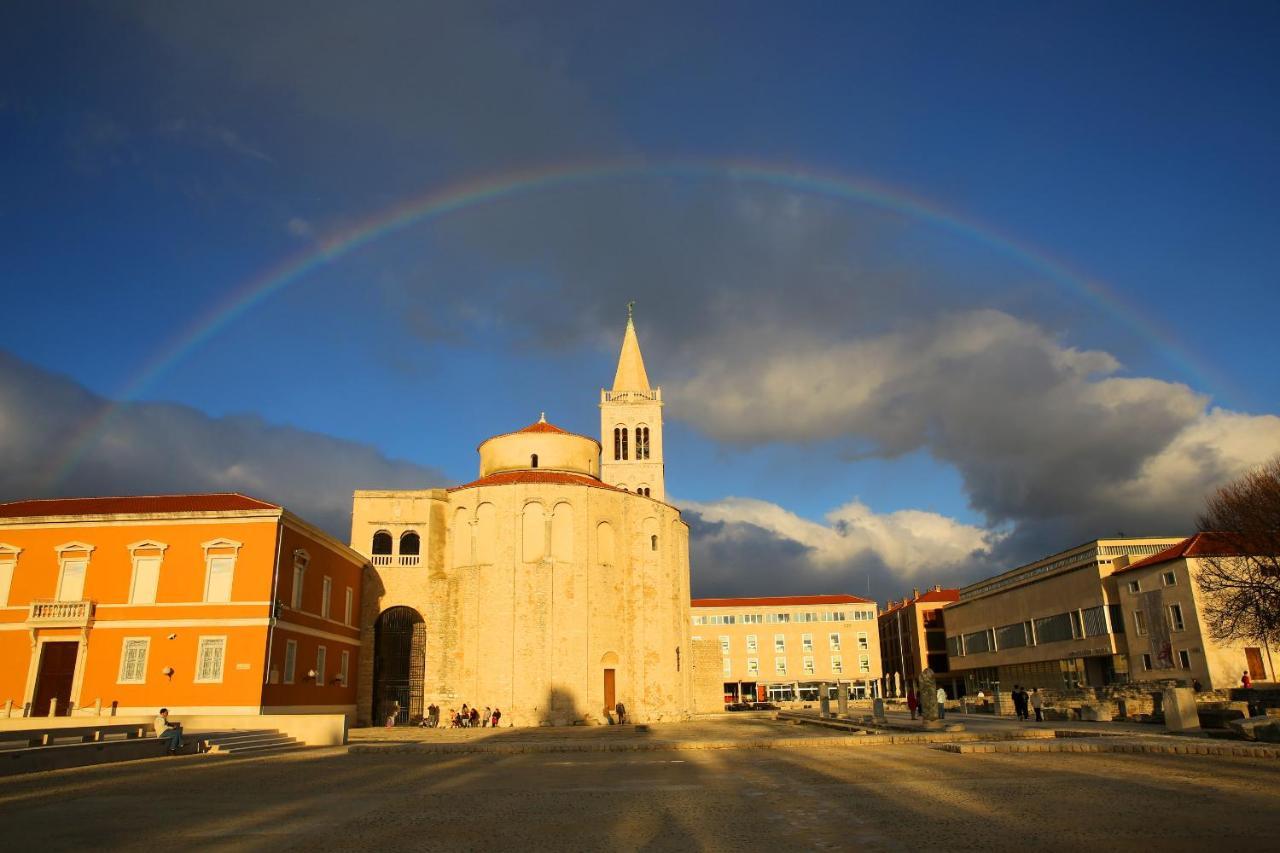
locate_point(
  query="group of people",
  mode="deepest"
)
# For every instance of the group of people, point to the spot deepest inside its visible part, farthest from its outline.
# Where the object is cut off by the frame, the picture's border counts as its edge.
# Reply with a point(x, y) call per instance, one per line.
point(464, 718)
point(1024, 703)
point(914, 704)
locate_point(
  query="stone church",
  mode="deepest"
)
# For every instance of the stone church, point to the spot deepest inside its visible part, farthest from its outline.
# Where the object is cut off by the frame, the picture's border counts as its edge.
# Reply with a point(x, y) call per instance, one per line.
point(554, 586)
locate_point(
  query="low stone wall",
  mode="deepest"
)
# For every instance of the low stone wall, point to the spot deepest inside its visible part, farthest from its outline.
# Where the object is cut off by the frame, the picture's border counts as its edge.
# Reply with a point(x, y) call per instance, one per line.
point(311, 729)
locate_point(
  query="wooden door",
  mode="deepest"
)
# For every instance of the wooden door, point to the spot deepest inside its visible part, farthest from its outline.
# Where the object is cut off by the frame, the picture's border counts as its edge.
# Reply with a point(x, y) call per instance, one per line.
point(610, 697)
point(53, 681)
point(1256, 670)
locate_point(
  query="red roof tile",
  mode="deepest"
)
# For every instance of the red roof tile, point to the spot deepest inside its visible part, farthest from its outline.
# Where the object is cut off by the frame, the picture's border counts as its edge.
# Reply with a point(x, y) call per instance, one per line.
point(133, 505)
point(1200, 545)
point(543, 426)
point(563, 478)
point(946, 596)
point(778, 601)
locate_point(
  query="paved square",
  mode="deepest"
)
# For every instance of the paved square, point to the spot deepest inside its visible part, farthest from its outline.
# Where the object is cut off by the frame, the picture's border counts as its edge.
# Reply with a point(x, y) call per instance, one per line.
point(820, 797)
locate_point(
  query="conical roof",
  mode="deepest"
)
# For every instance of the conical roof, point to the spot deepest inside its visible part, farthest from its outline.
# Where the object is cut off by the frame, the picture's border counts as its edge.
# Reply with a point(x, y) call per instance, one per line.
point(631, 375)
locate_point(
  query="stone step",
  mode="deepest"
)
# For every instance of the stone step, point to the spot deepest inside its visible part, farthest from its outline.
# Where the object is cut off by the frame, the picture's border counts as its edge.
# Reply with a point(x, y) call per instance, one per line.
point(265, 749)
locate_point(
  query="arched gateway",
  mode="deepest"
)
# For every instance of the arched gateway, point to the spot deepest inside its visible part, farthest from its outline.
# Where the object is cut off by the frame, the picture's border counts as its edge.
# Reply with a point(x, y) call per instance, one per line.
point(399, 664)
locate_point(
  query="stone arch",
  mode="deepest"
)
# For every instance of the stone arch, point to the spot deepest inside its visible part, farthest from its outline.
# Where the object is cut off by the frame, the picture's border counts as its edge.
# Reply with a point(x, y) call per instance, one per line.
point(461, 538)
point(604, 544)
point(533, 532)
point(382, 543)
point(486, 534)
point(399, 664)
point(410, 543)
point(609, 659)
point(562, 532)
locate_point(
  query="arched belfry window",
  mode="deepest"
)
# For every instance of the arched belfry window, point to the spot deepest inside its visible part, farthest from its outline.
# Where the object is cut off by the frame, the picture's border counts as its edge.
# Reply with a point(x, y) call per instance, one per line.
point(642, 442)
point(410, 543)
point(382, 542)
point(653, 542)
point(533, 461)
point(620, 442)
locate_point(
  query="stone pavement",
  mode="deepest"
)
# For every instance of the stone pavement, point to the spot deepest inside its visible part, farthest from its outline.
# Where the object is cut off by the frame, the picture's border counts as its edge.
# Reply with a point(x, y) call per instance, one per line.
point(876, 798)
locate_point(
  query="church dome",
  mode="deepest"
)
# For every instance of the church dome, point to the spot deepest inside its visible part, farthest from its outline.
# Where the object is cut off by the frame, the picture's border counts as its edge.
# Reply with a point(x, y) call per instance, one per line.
point(540, 446)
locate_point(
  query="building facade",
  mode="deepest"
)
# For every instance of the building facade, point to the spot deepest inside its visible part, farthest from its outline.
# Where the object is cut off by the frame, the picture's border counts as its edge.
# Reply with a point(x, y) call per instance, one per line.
point(1165, 628)
point(1055, 623)
point(913, 635)
point(554, 586)
point(782, 649)
point(205, 604)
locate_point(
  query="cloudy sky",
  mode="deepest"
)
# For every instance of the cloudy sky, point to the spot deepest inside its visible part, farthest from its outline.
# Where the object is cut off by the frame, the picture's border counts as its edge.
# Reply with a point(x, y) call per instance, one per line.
point(931, 289)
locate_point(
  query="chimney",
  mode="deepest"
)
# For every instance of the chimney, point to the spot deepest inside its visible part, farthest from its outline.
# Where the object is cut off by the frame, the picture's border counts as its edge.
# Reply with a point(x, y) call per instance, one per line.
point(915, 592)
point(937, 587)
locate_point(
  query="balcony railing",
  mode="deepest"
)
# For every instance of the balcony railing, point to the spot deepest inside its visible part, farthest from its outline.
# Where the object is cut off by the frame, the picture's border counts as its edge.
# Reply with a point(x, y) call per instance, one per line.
point(652, 396)
point(393, 559)
point(72, 613)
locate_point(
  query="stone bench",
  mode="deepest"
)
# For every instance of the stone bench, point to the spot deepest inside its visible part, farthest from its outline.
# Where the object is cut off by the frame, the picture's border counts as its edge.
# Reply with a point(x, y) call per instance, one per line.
point(58, 756)
point(36, 736)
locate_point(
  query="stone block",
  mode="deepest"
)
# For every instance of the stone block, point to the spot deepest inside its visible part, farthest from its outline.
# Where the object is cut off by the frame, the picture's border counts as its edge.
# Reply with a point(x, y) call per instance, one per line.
point(877, 710)
point(1263, 728)
point(1180, 712)
point(1096, 713)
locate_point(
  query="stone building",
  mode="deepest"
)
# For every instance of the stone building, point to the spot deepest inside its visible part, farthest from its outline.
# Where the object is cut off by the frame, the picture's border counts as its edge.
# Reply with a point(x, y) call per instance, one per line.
point(1054, 623)
point(782, 648)
point(1167, 635)
point(553, 586)
point(913, 636)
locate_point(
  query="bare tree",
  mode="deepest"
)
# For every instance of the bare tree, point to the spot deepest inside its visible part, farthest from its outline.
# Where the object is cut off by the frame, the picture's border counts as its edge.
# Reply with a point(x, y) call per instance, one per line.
point(1240, 564)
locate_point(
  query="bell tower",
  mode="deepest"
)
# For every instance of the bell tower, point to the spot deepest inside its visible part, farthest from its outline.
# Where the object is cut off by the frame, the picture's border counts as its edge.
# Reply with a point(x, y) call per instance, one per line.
point(631, 423)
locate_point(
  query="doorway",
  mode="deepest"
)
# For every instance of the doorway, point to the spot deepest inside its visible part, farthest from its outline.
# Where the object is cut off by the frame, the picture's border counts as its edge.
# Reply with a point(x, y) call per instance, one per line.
point(56, 673)
point(399, 665)
point(610, 694)
point(1257, 671)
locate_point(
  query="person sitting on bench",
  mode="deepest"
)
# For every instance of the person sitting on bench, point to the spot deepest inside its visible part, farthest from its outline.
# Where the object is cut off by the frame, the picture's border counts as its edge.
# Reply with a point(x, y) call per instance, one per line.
point(171, 732)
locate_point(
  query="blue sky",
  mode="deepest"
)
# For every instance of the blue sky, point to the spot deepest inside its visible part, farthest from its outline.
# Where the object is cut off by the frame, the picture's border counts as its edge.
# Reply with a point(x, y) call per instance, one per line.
point(157, 157)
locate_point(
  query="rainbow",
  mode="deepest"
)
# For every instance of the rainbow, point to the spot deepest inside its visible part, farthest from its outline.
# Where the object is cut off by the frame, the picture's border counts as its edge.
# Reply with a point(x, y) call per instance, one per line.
point(442, 202)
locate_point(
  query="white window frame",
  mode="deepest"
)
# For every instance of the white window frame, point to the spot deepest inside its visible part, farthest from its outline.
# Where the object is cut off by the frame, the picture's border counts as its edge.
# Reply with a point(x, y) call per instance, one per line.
point(345, 672)
point(221, 641)
point(1169, 578)
point(753, 666)
point(290, 661)
point(326, 596)
point(780, 665)
point(753, 643)
point(806, 643)
point(1139, 623)
point(8, 566)
point(726, 665)
point(322, 662)
point(724, 644)
point(808, 665)
point(864, 642)
point(124, 659)
point(209, 557)
point(1146, 663)
point(301, 559)
point(1184, 658)
point(1179, 623)
point(833, 640)
point(348, 606)
point(837, 664)
point(779, 644)
point(1135, 587)
point(63, 560)
point(864, 663)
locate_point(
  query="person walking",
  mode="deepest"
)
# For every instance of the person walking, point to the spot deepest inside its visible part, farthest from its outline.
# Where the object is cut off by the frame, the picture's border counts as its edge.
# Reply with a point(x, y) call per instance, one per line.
point(1037, 702)
point(913, 703)
point(942, 702)
point(621, 711)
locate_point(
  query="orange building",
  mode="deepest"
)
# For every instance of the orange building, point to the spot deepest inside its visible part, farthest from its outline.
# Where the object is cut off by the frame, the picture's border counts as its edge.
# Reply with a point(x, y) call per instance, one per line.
point(205, 604)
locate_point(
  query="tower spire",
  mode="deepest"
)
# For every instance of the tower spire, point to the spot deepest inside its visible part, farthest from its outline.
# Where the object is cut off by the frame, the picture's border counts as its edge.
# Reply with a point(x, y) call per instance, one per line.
point(631, 374)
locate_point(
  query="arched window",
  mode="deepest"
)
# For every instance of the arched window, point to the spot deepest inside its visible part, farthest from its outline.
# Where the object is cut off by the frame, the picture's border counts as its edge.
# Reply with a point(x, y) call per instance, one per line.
point(653, 542)
point(533, 461)
point(410, 543)
point(382, 542)
point(642, 442)
point(642, 490)
point(620, 442)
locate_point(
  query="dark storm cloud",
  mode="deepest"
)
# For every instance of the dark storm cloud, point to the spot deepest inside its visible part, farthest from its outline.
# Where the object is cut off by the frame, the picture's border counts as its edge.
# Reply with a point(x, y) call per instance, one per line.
point(150, 448)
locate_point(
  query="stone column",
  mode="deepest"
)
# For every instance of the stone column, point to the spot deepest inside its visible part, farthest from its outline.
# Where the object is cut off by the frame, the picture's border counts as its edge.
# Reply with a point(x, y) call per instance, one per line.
point(842, 699)
point(824, 701)
point(1180, 712)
